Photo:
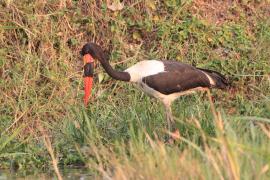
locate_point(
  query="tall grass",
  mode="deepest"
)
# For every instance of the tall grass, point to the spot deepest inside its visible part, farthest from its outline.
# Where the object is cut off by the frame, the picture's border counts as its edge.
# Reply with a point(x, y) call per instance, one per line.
point(121, 134)
point(142, 153)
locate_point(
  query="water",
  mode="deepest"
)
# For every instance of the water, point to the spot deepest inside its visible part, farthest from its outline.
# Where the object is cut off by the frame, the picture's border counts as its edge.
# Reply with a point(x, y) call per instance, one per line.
point(81, 174)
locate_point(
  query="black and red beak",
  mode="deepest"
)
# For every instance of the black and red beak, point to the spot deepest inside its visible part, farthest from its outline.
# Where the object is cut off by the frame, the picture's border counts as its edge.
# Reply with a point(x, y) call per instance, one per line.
point(88, 76)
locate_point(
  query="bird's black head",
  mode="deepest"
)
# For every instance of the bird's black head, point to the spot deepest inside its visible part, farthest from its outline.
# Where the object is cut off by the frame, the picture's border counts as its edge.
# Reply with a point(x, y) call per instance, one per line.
point(94, 50)
point(90, 52)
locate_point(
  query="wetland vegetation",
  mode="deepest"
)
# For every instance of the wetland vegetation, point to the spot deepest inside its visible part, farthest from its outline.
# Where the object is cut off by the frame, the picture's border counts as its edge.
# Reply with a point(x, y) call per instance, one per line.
point(120, 135)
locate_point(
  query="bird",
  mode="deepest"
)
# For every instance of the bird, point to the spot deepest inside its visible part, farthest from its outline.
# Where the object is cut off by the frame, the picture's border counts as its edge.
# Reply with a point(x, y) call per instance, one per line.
point(165, 80)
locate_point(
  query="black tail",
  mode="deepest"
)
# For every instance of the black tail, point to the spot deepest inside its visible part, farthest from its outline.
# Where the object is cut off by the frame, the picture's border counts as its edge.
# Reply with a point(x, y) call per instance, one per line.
point(220, 80)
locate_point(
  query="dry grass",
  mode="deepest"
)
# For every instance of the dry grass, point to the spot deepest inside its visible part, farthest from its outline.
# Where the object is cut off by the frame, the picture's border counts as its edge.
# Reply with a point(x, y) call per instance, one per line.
point(120, 135)
point(49, 147)
point(219, 12)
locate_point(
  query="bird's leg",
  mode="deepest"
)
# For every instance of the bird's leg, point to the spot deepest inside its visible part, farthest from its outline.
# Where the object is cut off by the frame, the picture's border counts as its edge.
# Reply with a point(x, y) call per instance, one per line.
point(173, 132)
point(169, 117)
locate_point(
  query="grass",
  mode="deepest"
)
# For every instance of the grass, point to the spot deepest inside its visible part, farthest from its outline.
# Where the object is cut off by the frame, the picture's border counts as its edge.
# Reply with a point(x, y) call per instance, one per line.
point(120, 135)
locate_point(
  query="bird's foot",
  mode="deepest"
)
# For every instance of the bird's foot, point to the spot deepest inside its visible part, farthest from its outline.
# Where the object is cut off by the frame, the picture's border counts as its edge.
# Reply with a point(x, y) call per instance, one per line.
point(172, 137)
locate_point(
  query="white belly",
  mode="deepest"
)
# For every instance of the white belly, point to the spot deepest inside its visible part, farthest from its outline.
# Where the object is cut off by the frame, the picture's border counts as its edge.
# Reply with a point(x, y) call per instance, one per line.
point(153, 93)
point(166, 99)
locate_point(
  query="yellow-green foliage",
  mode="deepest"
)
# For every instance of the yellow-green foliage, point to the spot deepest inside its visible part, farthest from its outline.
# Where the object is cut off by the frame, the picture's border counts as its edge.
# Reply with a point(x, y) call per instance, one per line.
point(121, 133)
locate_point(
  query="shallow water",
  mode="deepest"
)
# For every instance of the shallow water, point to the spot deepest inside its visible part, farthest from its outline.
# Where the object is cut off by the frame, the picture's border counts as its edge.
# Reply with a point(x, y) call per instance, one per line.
point(80, 174)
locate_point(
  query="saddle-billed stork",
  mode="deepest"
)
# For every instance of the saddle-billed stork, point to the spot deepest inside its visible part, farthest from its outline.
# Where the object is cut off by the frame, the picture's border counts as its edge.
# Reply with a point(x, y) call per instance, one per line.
point(161, 79)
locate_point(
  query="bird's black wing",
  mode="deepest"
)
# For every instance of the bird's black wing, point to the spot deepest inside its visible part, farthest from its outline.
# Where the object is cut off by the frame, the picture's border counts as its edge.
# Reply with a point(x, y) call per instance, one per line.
point(177, 77)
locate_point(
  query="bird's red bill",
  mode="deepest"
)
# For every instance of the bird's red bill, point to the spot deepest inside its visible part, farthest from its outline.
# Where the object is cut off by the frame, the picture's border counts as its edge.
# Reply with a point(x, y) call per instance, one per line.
point(88, 82)
point(87, 58)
